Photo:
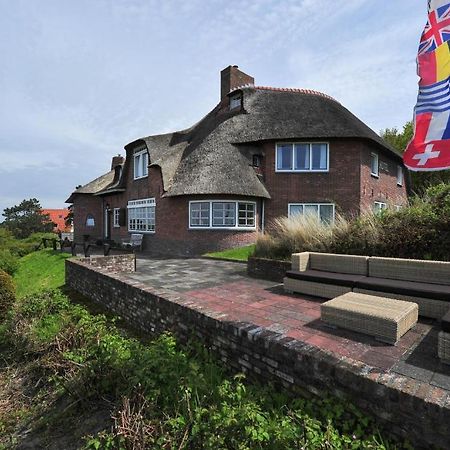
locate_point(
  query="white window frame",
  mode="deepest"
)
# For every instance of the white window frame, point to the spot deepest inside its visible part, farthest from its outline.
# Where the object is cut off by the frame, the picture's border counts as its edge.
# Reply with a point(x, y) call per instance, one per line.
point(141, 156)
point(210, 226)
point(235, 102)
point(142, 203)
point(90, 221)
point(293, 170)
point(381, 207)
point(313, 204)
point(116, 216)
point(399, 175)
point(377, 160)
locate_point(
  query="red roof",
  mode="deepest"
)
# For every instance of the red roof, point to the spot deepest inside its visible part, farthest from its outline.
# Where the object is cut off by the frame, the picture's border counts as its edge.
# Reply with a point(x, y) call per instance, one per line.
point(57, 216)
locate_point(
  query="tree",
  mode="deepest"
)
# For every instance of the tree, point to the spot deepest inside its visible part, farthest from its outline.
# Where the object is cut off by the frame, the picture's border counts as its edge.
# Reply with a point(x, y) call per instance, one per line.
point(396, 139)
point(26, 218)
point(420, 181)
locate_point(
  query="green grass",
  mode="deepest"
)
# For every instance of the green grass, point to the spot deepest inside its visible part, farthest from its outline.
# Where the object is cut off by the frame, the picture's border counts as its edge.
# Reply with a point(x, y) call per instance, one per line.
point(236, 254)
point(39, 271)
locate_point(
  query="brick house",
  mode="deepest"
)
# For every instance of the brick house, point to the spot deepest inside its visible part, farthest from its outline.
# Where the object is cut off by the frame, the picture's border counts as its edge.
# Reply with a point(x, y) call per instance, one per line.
point(261, 153)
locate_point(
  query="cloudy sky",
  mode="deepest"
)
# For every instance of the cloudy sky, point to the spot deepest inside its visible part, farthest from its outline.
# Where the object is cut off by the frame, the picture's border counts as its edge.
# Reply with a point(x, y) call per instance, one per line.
point(79, 79)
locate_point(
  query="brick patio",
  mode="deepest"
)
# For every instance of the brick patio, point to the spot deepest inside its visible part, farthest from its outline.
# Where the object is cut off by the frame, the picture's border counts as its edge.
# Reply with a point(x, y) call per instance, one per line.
point(223, 287)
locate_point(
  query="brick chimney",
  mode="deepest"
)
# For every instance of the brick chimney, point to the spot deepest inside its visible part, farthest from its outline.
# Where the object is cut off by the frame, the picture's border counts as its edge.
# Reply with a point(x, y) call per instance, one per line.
point(117, 161)
point(231, 78)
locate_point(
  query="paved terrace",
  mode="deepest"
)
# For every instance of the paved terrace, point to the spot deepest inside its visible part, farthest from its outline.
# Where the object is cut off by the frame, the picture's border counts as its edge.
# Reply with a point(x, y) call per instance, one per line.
point(224, 287)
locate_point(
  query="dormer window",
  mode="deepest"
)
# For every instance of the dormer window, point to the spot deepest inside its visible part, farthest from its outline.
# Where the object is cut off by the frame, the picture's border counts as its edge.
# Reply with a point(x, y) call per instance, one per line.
point(235, 102)
point(140, 164)
point(256, 160)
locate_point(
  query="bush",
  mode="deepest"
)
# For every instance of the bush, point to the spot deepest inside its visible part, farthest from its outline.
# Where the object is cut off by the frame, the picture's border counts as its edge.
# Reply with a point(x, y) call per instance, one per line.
point(8, 262)
point(420, 231)
point(298, 234)
point(7, 294)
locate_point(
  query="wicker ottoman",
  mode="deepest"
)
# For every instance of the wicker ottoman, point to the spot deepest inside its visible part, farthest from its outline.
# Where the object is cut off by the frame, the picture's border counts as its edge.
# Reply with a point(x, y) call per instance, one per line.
point(384, 318)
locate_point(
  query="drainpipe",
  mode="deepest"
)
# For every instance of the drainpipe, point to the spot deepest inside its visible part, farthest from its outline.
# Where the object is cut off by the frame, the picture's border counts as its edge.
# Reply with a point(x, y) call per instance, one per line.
point(262, 215)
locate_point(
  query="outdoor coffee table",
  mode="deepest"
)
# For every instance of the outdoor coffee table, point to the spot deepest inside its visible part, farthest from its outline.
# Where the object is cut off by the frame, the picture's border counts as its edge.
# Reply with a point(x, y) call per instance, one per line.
point(384, 318)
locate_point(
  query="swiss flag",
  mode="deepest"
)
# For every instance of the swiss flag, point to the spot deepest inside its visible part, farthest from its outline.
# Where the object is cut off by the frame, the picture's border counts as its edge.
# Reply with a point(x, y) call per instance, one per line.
point(424, 153)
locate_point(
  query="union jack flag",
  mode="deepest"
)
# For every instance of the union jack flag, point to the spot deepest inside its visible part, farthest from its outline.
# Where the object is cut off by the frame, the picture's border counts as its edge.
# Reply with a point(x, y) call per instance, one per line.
point(437, 29)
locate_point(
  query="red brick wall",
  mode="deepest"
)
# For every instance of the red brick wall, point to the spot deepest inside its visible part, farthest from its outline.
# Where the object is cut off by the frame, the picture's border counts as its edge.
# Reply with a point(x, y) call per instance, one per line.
point(348, 185)
point(383, 188)
point(340, 185)
point(172, 220)
point(82, 206)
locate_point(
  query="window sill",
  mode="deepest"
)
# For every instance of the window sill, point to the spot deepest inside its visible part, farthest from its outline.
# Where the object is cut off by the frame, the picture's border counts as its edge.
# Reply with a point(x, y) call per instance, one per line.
point(375, 175)
point(223, 228)
point(140, 178)
point(141, 232)
point(302, 171)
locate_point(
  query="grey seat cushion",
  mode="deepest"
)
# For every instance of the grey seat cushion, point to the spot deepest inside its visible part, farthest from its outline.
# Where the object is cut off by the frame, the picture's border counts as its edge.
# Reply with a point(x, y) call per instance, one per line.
point(319, 276)
point(412, 288)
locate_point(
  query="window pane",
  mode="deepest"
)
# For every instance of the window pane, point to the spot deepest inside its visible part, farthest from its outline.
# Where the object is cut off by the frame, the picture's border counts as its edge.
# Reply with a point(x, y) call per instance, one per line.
point(145, 164)
point(374, 163)
point(137, 169)
point(301, 156)
point(200, 214)
point(295, 210)
point(246, 213)
point(224, 214)
point(284, 157)
point(319, 156)
point(311, 210)
point(326, 213)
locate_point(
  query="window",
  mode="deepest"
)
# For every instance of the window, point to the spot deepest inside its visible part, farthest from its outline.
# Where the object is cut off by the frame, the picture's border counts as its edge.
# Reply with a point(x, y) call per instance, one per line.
point(235, 102)
point(199, 214)
point(116, 215)
point(399, 175)
point(374, 164)
point(398, 207)
point(90, 221)
point(140, 164)
point(378, 207)
point(302, 157)
point(256, 160)
point(141, 215)
point(246, 214)
point(322, 211)
point(222, 214)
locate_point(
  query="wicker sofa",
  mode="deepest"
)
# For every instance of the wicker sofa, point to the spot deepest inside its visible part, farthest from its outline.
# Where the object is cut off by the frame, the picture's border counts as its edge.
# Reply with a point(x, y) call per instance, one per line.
point(426, 283)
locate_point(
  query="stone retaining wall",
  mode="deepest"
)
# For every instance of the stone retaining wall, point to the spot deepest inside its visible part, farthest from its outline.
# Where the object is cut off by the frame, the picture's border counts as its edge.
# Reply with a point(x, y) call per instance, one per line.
point(267, 269)
point(408, 409)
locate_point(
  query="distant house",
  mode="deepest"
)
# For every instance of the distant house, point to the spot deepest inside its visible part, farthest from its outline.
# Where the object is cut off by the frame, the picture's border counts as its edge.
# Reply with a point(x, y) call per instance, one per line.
point(261, 153)
point(58, 216)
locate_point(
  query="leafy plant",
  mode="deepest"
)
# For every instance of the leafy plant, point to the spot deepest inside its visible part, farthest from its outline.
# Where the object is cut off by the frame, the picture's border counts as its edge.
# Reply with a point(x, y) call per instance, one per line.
point(7, 294)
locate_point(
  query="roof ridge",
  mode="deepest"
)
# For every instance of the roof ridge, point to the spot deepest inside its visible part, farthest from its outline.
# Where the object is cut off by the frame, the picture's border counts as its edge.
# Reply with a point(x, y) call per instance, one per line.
point(285, 89)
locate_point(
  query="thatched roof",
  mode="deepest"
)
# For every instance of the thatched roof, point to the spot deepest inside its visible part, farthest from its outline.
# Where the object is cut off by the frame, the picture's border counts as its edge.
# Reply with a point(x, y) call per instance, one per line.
point(214, 156)
point(94, 186)
point(209, 158)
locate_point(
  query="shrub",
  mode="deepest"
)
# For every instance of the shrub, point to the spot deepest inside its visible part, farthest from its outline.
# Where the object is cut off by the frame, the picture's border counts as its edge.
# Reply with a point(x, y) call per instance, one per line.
point(420, 231)
point(8, 262)
point(7, 294)
point(287, 235)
